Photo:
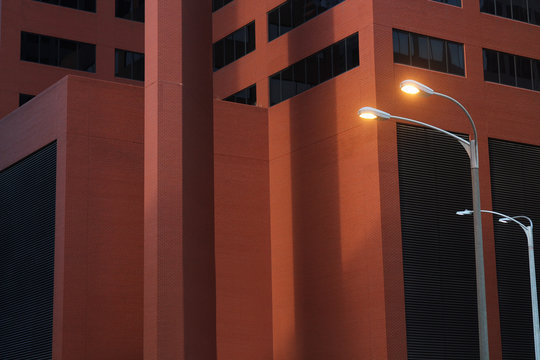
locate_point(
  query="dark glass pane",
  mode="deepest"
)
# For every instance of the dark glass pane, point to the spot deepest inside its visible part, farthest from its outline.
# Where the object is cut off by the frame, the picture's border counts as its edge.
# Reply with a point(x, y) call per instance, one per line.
point(352, 51)
point(68, 54)
point(523, 72)
point(123, 62)
point(507, 69)
point(437, 56)
point(339, 58)
point(273, 24)
point(401, 47)
point(325, 64)
point(311, 8)
point(288, 86)
point(219, 55)
point(29, 47)
point(285, 18)
point(123, 9)
point(536, 74)
point(519, 9)
point(456, 61)
point(216, 4)
point(450, 2)
point(503, 8)
point(534, 12)
point(239, 38)
point(87, 57)
point(487, 6)
point(229, 49)
point(138, 10)
point(69, 3)
point(419, 51)
point(250, 37)
point(491, 66)
point(87, 5)
point(252, 99)
point(300, 76)
point(312, 70)
point(48, 50)
point(24, 98)
point(275, 89)
point(297, 12)
point(138, 66)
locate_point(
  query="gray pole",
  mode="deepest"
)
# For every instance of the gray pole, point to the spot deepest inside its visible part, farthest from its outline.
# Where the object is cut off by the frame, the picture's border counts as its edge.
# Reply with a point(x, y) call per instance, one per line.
point(534, 295)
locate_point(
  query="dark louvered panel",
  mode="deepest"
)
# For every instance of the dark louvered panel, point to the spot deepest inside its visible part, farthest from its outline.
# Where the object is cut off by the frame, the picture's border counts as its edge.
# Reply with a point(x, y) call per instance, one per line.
point(27, 216)
point(438, 246)
point(515, 187)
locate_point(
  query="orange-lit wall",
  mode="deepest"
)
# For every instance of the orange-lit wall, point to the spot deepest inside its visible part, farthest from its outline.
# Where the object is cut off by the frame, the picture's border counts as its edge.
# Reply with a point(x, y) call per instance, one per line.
point(101, 28)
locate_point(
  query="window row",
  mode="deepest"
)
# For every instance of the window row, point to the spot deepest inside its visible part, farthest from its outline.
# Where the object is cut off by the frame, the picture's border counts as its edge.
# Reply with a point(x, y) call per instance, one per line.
point(511, 70)
point(520, 10)
point(53, 51)
point(125, 9)
point(450, 2)
point(218, 4)
point(315, 69)
point(233, 46)
point(129, 65)
point(428, 52)
point(246, 96)
point(293, 13)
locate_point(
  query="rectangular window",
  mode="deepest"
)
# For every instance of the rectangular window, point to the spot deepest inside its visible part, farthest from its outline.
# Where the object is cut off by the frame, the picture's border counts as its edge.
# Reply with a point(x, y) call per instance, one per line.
point(130, 10)
point(246, 96)
point(218, 4)
point(428, 52)
point(86, 5)
point(234, 46)
point(53, 51)
point(511, 70)
point(293, 13)
point(24, 98)
point(129, 65)
point(315, 69)
point(450, 2)
point(521, 10)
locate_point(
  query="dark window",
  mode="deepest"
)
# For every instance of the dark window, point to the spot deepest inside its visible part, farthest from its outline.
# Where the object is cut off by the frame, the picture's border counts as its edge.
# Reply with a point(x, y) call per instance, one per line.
point(523, 72)
point(507, 69)
point(24, 98)
point(53, 51)
point(450, 2)
point(534, 12)
point(317, 68)
point(86, 5)
point(491, 66)
point(246, 96)
point(515, 190)
point(130, 10)
point(521, 10)
point(129, 65)
point(428, 52)
point(503, 8)
point(27, 228)
point(233, 46)
point(218, 4)
point(293, 13)
point(536, 74)
point(487, 6)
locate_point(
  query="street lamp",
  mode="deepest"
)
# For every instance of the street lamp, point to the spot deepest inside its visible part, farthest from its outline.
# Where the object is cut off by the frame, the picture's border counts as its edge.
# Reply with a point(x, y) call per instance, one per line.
point(472, 151)
point(415, 88)
point(532, 272)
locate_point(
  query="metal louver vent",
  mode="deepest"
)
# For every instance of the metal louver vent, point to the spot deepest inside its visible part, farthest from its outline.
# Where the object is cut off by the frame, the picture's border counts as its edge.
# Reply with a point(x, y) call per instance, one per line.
point(438, 246)
point(515, 187)
point(27, 219)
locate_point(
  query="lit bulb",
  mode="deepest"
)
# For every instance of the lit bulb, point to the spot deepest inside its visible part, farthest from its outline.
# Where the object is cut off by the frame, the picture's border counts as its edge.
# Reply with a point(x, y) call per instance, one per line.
point(410, 89)
point(368, 116)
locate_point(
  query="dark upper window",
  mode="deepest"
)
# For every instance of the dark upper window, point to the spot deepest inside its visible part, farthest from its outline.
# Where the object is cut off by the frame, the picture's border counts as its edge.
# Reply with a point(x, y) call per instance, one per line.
point(130, 10)
point(511, 70)
point(233, 46)
point(428, 52)
point(293, 13)
point(24, 98)
point(53, 51)
point(218, 4)
point(86, 5)
point(450, 2)
point(315, 69)
point(246, 96)
point(129, 65)
point(521, 10)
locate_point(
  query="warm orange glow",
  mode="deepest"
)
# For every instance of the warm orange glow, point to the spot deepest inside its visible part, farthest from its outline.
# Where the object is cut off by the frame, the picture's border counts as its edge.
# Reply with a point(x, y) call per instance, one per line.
point(410, 89)
point(368, 116)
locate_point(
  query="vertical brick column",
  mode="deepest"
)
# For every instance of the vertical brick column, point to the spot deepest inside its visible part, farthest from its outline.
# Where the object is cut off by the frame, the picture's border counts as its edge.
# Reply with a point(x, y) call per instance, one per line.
point(179, 291)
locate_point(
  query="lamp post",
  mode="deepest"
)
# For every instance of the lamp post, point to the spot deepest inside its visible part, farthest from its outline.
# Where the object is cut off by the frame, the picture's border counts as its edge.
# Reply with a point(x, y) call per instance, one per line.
point(472, 151)
point(528, 229)
point(414, 87)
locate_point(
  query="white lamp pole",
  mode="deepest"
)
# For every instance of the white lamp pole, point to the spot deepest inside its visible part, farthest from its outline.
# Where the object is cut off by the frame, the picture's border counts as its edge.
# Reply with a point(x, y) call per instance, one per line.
point(414, 87)
point(472, 150)
point(528, 229)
